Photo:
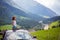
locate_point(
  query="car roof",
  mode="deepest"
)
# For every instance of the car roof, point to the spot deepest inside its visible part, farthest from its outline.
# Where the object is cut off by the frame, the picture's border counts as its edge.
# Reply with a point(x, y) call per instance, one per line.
point(17, 34)
point(21, 30)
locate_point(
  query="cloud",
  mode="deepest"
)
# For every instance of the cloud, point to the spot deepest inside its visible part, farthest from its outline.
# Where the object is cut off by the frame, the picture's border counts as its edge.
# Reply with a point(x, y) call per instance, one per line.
point(47, 3)
point(46, 16)
point(56, 7)
point(52, 4)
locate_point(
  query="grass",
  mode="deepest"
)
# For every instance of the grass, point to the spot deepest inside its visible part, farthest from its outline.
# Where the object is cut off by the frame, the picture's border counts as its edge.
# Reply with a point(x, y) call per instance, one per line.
point(56, 24)
point(51, 34)
point(1, 36)
point(6, 27)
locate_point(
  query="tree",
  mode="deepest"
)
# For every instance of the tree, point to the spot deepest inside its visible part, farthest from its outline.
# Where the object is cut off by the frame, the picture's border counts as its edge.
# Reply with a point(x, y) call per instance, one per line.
point(53, 26)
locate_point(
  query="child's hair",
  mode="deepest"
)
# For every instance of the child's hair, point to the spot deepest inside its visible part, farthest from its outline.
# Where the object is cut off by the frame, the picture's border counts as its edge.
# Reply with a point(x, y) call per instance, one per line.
point(13, 18)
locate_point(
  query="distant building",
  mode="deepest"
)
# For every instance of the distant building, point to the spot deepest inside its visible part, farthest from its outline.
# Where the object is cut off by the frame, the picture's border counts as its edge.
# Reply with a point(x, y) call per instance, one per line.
point(46, 26)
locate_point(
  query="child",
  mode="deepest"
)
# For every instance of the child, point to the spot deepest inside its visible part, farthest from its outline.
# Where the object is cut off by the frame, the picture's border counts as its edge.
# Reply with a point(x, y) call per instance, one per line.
point(14, 23)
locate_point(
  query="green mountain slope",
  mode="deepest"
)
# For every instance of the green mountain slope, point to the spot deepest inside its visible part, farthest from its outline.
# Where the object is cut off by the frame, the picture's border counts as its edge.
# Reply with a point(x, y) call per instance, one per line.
point(54, 24)
point(7, 27)
point(51, 34)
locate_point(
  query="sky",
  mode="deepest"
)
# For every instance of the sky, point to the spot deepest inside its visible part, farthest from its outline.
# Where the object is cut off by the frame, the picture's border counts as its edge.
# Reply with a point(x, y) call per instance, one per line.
point(52, 4)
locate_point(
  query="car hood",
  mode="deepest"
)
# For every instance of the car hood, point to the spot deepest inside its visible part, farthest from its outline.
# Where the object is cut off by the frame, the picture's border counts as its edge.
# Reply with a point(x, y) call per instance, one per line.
point(18, 34)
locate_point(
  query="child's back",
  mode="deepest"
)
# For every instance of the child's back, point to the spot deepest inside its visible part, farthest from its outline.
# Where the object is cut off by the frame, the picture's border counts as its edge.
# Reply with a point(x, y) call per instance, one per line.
point(14, 23)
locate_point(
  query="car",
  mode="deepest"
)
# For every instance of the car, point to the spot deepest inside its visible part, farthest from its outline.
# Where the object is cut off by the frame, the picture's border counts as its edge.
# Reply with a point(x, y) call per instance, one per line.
point(17, 35)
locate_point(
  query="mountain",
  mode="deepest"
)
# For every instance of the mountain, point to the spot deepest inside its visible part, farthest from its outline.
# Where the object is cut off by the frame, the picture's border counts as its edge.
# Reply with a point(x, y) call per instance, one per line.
point(32, 7)
point(25, 18)
point(53, 19)
point(55, 24)
point(56, 18)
